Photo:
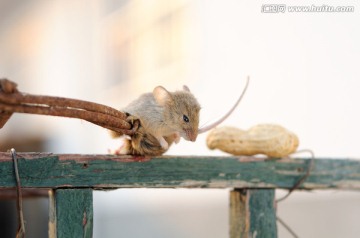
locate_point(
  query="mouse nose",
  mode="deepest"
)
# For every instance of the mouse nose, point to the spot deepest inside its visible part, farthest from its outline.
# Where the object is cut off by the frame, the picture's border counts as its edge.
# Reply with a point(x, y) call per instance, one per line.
point(192, 136)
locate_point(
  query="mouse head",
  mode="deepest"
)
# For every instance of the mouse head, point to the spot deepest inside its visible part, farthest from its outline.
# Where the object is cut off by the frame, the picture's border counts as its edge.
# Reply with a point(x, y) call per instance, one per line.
point(181, 111)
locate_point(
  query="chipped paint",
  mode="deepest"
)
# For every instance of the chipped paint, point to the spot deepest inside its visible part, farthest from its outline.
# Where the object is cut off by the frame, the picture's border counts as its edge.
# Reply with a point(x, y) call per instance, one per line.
point(348, 184)
point(109, 171)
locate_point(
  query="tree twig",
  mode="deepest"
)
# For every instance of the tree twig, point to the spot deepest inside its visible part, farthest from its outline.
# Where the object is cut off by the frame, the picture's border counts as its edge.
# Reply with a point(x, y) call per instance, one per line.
point(11, 100)
point(19, 98)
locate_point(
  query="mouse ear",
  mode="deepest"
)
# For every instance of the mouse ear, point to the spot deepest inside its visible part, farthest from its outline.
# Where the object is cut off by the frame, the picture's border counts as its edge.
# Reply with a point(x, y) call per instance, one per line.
point(162, 96)
point(186, 88)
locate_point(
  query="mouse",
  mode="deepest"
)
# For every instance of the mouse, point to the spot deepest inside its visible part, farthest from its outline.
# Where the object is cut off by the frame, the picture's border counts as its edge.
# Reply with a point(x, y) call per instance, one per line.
point(164, 118)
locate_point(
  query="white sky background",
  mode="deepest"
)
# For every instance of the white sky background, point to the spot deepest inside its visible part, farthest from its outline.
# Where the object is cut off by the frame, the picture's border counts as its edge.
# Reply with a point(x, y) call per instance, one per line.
point(304, 70)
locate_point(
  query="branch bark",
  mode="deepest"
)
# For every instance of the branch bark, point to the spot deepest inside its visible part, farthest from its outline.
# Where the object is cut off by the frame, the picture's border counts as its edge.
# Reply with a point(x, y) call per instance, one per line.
point(11, 101)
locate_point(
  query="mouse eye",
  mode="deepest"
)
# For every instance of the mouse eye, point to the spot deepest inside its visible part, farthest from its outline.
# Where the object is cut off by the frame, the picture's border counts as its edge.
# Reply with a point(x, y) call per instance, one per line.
point(185, 118)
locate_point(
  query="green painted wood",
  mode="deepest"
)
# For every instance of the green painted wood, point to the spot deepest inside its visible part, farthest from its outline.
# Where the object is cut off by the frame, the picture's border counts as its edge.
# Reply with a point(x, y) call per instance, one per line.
point(107, 171)
point(262, 213)
point(71, 213)
point(252, 213)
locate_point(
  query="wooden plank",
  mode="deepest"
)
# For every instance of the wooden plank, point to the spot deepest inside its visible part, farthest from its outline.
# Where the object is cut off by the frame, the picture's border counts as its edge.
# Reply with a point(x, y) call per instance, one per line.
point(239, 219)
point(71, 213)
point(252, 213)
point(52, 214)
point(107, 171)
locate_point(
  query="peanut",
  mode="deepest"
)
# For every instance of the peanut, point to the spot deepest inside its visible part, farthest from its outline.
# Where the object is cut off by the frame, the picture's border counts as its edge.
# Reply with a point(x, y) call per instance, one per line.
point(268, 139)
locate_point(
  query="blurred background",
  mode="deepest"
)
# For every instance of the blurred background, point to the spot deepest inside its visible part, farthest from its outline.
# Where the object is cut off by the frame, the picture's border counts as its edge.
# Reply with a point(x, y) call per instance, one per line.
point(305, 75)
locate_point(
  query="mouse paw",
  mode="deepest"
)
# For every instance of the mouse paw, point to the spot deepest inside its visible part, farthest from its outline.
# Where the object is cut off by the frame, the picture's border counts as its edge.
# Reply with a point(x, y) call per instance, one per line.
point(133, 121)
point(176, 137)
point(163, 143)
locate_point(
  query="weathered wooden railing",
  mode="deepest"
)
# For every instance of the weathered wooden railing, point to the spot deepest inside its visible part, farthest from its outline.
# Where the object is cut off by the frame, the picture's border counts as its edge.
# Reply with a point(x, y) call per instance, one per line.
point(72, 179)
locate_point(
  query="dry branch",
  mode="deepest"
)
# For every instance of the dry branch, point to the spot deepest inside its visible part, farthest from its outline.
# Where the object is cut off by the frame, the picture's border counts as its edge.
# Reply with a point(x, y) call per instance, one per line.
point(11, 100)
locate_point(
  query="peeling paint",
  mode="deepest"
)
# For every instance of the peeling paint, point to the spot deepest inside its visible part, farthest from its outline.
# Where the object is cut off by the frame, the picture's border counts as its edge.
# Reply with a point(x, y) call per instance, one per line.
point(289, 172)
point(84, 221)
point(109, 171)
point(349, 184)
